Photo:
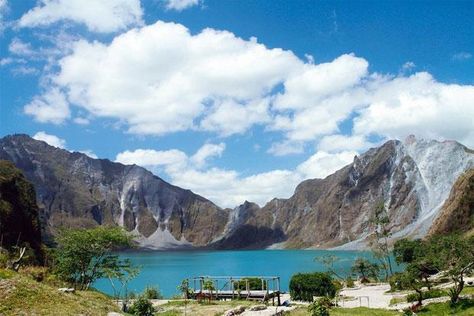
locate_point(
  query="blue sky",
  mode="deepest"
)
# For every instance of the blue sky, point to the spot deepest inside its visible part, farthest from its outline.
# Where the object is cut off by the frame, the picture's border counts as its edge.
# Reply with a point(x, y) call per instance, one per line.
point(236, 100)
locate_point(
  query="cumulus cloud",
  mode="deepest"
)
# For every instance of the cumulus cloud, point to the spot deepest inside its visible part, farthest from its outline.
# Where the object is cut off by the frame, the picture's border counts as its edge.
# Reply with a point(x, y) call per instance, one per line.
point(102, 16)
point(51, 107)
point(50, 139)
point(180, 5)
point(161, 79)
point(338, 143)
point(229, 188)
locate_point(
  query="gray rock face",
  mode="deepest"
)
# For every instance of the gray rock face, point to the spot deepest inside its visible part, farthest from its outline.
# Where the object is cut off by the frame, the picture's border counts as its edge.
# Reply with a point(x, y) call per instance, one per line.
point(74, 190)
point(412, 178)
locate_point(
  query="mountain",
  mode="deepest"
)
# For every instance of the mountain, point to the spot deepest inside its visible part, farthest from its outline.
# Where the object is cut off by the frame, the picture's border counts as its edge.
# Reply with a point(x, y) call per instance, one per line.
point(74, 190)
point(19, 220)
point(457, 213)
point(412, 178)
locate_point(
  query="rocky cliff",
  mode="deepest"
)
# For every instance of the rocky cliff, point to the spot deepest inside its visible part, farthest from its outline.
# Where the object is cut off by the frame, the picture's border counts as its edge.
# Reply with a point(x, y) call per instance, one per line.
point(74, 190)
point(412, 178)
point(457, 213)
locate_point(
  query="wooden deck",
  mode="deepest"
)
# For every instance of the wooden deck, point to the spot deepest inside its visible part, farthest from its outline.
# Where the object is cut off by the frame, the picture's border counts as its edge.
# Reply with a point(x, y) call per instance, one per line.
point(224, 289)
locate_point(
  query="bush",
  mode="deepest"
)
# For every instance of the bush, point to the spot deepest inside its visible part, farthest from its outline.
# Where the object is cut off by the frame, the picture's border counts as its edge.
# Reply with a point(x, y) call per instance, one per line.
point(317, 309)
point(304, 286)
point(396, 282)
point(349, 282)
point(254, 284)
point(428, 294)
point(152, 293)
point(141, 307)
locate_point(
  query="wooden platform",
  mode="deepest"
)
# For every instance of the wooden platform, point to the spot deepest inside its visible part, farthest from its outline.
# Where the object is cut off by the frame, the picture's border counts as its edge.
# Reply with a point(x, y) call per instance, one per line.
point(269, 290)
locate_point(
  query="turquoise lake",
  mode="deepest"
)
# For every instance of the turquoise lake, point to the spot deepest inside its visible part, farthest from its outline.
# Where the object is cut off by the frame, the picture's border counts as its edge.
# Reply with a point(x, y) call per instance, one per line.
point(166, 269)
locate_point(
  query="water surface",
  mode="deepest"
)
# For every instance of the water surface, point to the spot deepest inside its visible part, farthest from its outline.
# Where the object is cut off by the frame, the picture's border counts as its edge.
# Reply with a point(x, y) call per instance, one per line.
point(166, 269)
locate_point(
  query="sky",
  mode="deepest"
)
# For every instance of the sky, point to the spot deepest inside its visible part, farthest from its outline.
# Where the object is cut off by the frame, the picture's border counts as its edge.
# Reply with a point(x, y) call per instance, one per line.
point(236, 100)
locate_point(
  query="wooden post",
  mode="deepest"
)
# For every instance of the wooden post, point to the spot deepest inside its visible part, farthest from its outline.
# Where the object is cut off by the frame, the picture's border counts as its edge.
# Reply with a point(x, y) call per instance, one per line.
point(247, 287)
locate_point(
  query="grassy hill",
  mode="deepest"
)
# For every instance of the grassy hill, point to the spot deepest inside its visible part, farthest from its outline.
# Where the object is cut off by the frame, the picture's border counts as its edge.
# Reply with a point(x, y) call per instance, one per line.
point(21, 294)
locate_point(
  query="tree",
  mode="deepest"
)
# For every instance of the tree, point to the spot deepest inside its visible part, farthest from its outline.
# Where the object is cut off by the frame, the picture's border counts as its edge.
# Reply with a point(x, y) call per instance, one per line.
point(304, 286)
point(84, 255)
point(365, 269)
point(142, 307)
point(379, 243)
point(328, 261)
point(186, 291)
point(418, 256)
point(123, 276)
point(455, 255)
point(412, 279)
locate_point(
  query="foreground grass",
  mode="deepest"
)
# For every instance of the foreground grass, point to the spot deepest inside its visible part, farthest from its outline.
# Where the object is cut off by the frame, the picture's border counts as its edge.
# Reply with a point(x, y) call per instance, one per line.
point(176, 308)
point(464, 308)
point(21, 295)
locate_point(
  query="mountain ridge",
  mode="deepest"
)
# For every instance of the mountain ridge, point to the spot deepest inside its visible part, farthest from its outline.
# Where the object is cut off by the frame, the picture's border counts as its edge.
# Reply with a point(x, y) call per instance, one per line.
point(413, 179)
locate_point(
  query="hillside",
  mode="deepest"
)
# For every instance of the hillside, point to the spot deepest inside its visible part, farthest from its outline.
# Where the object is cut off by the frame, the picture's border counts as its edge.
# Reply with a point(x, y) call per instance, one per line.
point(19, 218)
point(457, 213)
point(20, 294)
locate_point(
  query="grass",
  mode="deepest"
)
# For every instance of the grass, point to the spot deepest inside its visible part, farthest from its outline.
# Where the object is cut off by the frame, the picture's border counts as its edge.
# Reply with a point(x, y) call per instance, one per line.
point(175, 308)
point(21, 295)
point(463, 308)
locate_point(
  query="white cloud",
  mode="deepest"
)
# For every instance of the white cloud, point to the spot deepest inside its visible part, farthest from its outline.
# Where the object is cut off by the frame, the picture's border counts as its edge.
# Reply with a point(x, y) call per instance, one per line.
point(18, 47)
point(286, 148)
point(98, 15)
point(337, 143)
point(322, 164)
point(418, 105)
point(462, 56)
point(207, 151)
point(228, 188)
point(174, 78)
point(89, 153)
point(50, 139)
point(3, 11)
point(214, 81)
point(180, 5)
point(50, 107)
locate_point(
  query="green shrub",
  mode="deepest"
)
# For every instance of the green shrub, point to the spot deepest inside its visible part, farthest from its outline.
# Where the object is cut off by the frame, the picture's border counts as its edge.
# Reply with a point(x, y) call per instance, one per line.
point(317, 309)
point(254, 284)
point(152, 293)
point(396, 282)
point(304, 286)
point(349, 282)
point(141, 307)
point(3, 259)
point(428, 294)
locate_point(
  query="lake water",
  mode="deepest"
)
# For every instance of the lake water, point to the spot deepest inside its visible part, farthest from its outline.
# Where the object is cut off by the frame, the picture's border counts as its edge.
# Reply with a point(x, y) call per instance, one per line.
point(166, 269)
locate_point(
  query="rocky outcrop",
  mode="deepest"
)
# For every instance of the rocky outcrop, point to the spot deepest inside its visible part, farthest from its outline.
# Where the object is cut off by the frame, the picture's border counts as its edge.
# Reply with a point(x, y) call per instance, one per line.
point(19, 222)
point(457, 213)
point(412, 178)
point(74, 190)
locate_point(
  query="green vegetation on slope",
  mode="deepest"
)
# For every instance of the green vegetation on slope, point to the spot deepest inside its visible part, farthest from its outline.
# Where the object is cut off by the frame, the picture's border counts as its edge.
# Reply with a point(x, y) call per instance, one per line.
point(19, 223)
point(22, 295)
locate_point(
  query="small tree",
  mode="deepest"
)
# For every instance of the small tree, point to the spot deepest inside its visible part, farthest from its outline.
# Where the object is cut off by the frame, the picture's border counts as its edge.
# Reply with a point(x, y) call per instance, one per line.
point(455, 256)
point(365, 269)
point(304, 286)
point(122, 273)
point(379, 241)
point(328, 261)
point(142, 307)
point(84, 255)
point(186, 291)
